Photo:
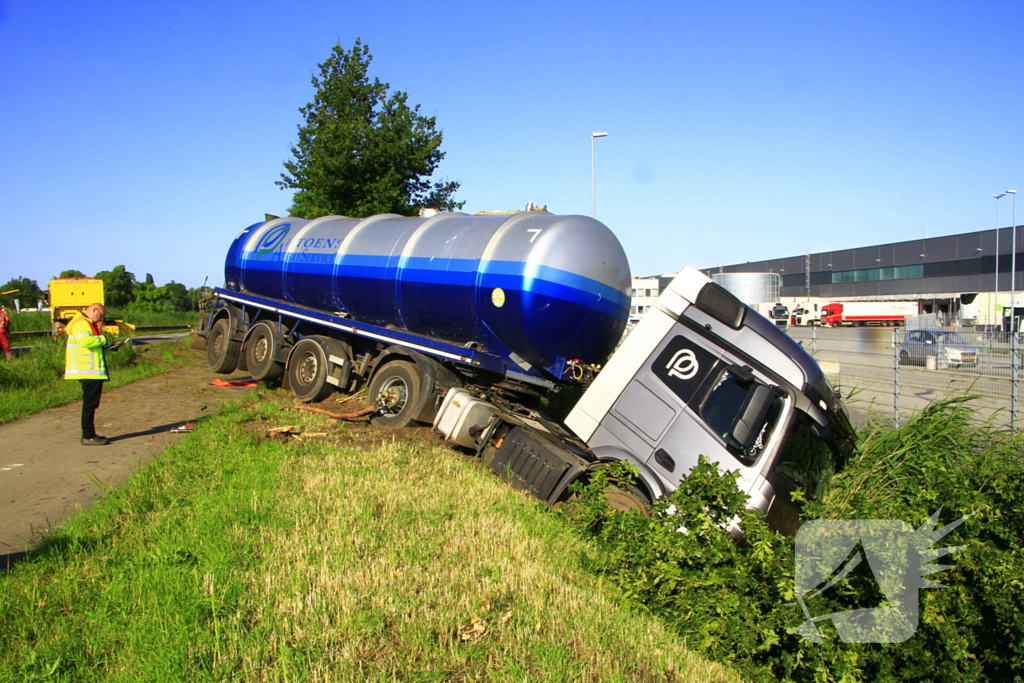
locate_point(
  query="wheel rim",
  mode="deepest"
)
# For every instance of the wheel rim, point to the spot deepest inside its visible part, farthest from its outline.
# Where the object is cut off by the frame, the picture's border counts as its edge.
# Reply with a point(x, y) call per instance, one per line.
point(218, 345)
point(624, 501)
point(308, 368)
point(393, 395)
point(259, 351)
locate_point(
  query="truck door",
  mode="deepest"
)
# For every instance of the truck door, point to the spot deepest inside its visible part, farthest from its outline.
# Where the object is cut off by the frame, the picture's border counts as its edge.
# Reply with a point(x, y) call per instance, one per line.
point(720, 409)
point(655, 401)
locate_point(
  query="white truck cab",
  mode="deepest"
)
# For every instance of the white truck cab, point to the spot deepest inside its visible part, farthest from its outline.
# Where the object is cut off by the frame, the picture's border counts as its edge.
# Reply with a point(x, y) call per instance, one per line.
point(700, 374)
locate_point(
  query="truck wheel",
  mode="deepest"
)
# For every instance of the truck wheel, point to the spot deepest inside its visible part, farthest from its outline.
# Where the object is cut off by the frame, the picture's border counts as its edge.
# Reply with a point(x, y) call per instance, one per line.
point(222, 352)
point(626, 500)
point(259, 353)
point(396, 389)
point(307, 370)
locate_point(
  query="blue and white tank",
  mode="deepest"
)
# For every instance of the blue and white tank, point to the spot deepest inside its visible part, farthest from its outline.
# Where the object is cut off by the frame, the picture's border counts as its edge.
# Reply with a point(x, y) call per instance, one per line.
point(534, 288)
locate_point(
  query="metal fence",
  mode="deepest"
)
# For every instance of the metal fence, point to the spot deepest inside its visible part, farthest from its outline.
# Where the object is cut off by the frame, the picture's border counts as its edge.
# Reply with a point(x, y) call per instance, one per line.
point(895, 372)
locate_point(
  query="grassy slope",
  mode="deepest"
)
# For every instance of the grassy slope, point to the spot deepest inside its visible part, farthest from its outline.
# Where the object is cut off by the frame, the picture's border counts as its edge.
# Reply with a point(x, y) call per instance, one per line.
point(355, 556)
point(35, 381)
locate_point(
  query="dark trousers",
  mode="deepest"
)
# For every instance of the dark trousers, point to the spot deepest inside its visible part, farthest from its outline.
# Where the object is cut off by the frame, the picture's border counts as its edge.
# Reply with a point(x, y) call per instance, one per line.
point(91, 391)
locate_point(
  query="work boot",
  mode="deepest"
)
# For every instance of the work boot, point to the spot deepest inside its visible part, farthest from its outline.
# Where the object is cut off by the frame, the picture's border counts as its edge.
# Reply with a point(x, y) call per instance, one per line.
point(95, 441)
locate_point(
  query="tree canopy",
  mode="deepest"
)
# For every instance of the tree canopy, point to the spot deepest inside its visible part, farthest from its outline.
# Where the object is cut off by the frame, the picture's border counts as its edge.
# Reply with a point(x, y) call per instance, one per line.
point(363, 150)
point(120, 291)
point(23, 289)
point(69, 273)
point(118, 286)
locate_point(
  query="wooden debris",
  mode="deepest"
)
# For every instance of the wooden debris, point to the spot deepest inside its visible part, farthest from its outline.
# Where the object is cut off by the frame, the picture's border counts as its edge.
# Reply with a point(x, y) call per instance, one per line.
point(363, 412)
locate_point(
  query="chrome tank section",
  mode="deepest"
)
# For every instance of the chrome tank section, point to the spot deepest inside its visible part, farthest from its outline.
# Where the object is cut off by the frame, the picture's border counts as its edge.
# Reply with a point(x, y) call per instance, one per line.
point(532, 287)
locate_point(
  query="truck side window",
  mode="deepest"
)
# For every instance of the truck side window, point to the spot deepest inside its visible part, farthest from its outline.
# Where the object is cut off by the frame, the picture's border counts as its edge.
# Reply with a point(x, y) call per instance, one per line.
point(727, 405)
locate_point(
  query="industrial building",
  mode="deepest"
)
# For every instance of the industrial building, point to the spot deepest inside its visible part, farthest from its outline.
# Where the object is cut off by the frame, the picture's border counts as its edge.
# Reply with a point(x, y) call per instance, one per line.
point(952, 276)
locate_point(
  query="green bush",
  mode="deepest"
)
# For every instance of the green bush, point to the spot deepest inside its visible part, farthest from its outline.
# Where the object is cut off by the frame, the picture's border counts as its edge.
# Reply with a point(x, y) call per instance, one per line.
point(734, 599)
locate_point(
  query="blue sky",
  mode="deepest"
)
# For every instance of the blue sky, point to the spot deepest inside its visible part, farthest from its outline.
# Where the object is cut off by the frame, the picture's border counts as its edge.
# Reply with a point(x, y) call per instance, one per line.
point(150, 133)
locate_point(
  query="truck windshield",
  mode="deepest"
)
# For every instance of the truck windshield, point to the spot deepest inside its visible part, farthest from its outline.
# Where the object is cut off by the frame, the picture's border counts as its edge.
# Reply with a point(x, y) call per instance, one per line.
point(743, 413)
point(806, 459)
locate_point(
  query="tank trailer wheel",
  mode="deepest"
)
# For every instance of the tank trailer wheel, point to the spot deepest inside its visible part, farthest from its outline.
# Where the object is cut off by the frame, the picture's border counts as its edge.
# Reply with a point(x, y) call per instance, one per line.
point(307, 371)
point(395, 389)
point(259, 353)
point(222, 352)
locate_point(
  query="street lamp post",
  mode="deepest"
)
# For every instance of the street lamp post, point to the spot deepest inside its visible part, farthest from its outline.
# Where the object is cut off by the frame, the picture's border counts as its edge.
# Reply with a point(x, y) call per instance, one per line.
point(1013, 314)
point(997, 197)
point(1013, 259)
point(593, 192)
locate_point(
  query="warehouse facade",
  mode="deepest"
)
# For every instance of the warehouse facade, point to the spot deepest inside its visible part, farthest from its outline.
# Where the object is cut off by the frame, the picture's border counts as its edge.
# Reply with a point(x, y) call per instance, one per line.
point(941, 272)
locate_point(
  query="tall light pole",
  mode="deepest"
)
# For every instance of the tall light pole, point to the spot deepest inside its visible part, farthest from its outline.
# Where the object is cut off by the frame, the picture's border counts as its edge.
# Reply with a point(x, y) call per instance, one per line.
point(1013, 314)
point(593, 191)
point(997, 197)
point(1013, 261)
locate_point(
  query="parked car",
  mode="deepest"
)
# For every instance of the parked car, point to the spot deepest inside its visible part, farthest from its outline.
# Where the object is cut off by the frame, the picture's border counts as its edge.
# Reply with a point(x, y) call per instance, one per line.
point(948, 348)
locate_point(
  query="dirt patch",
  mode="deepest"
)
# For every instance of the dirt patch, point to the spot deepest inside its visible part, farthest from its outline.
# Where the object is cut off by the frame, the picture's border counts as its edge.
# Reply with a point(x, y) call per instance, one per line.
point(358, 432)
point(46, 474)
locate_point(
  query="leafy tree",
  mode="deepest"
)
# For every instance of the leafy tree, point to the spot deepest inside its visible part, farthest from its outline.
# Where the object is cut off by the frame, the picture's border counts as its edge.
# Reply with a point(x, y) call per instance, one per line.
point(362, 149)
point(118, 286)
point(171, 297)
point(149, 279)
point(194, 295)
point(70, 273)
point(26, 291)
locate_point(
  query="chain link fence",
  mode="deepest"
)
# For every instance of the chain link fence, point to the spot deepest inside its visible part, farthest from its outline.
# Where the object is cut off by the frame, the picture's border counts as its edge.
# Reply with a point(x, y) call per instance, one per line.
point(895, 372)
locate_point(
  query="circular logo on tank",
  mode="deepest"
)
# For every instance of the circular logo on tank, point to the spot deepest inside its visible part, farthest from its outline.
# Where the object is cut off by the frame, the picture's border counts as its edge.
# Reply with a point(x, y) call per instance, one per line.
point(498, 297)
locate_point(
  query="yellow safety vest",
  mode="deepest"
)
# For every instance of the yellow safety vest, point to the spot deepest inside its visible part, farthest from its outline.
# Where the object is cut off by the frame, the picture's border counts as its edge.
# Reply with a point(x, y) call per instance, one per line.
point(83, 358)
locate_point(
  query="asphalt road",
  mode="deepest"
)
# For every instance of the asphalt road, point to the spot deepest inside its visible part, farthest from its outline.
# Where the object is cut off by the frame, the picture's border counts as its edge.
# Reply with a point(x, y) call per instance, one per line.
point(862, 362)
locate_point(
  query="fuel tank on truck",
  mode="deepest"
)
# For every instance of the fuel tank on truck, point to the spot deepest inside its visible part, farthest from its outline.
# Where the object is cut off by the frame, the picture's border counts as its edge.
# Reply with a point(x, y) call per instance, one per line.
point(534, 288)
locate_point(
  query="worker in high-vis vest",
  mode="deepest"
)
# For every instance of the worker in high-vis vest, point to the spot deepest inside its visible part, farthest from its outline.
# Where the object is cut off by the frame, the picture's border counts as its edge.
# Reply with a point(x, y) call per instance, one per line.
point(84, 361)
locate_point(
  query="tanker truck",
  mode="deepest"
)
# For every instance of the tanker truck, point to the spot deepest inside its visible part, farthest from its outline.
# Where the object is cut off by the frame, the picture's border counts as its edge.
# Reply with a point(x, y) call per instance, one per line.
point(859, 313)
point(469, 322)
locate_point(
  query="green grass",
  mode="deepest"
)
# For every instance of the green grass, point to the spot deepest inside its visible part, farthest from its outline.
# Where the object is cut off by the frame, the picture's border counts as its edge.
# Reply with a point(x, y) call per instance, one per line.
point(35, 380)
point(154, 318)
point(29, 322)
point(352, 557)
point(34, 322)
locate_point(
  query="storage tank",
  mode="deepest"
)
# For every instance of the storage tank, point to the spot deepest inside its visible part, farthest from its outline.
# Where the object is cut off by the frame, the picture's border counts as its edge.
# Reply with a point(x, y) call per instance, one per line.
point(751, 288)
point(533, 287)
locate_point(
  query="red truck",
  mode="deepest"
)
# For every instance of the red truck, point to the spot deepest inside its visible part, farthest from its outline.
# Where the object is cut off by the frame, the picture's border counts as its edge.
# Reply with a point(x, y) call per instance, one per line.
point(858, 313)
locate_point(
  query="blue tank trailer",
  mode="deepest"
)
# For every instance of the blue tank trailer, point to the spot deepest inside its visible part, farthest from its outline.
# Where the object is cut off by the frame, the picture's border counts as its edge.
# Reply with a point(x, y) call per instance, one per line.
point(525, 301)
point(467, 321)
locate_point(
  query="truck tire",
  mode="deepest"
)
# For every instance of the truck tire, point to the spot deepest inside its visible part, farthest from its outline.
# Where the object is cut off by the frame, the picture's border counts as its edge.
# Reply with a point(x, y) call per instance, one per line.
point(307, 370)
point(260, 349)
point(222, 352)
point(396, 389)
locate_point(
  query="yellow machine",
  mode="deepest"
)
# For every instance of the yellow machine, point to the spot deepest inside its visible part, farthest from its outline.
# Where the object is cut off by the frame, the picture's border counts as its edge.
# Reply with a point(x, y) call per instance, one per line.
point(71, 294)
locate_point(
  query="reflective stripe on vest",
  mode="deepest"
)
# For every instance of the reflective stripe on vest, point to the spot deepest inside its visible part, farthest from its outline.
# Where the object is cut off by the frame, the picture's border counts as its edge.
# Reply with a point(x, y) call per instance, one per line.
point(81, 362)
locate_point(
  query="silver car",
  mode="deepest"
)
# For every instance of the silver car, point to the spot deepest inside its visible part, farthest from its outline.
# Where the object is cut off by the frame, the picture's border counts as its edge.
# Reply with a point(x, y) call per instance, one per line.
point(948, 348)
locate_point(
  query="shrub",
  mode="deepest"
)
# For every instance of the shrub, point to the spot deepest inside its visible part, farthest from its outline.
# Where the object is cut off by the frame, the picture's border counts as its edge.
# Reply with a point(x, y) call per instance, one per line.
point(734, 598)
